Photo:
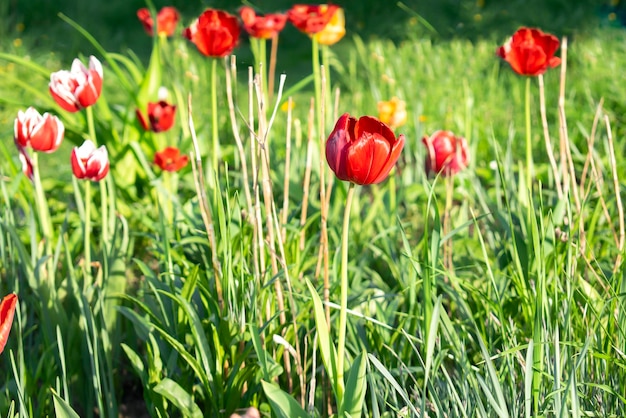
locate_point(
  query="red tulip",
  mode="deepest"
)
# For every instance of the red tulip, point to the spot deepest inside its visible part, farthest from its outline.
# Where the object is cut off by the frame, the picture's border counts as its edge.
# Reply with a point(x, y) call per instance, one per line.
point(160, 116)
point(167, 19)
point(7, 311)
point(447, 154)
point(40, 132)
point(90, 163)
point(311, 18)
point(362, 151)
point(262, 27)
point(530, 52)
point(215, 33)
point(78, 88)
point(170, 159)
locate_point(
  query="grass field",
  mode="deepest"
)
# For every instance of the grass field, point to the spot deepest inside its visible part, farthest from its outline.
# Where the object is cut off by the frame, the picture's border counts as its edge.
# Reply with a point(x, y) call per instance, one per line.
point(219, 287)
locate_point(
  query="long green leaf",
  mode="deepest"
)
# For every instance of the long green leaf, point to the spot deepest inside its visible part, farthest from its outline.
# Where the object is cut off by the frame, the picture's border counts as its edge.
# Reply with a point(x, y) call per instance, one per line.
point(283, 404)
point(356, 385)
point(174, 393)
point(62, 408)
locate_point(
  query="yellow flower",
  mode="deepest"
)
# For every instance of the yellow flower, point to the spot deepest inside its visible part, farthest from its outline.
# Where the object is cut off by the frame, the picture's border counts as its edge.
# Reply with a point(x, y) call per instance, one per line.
point(334, 30)
point(393, 112)
point(288, 105)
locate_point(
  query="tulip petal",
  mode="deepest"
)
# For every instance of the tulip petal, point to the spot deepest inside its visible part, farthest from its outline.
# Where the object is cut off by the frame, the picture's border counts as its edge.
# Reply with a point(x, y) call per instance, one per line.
point(336, 146)
point(7, 311)
point(396, 149)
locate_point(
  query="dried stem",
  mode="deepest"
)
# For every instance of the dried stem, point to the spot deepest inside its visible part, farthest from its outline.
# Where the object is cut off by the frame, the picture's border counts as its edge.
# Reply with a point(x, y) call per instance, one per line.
point(258, 245)
point(590, 145)
point(546, 136)
point(618, 198)
point(205, 211)
point(285, 210)
point(235, 129)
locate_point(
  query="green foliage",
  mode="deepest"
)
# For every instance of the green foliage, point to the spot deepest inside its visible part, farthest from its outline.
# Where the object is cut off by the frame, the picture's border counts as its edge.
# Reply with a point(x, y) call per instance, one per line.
point(203, 293)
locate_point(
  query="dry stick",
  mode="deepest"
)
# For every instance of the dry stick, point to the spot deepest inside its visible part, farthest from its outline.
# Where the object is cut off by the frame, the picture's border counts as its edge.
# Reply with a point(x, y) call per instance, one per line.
point(198, 176)
point(287, 170)
point(258, 247)
point(447, 222)
point(283, 262)
point(563, 146)
point(546, 135)
point(235, 128)
point(268, 200)
point(618, 198)
point(307, 175)
point(590, 144)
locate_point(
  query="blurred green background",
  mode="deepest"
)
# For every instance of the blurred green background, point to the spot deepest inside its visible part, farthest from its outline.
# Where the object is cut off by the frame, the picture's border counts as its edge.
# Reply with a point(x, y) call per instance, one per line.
point(114, 22)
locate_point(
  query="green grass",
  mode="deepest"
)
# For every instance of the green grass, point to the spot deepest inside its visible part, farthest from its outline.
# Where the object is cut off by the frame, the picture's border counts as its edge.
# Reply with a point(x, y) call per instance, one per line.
point(501, 303)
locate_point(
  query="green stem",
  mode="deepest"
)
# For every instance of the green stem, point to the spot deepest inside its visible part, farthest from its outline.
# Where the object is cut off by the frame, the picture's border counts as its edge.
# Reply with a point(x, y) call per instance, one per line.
point(327, 93)
point(317, 79)
point(42, 204)
point(263, 66)
point(216, 145)
point(343, 310)
point(529, 147)
point(87, 234)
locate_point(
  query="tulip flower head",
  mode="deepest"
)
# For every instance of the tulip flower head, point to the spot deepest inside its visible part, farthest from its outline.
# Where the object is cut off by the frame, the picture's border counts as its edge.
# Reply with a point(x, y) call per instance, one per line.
point(392, 112)
point(170, 159)
point(334, 30)
point(362, 151)
point(530, 52)
point(7, 311)
point(262, 27)
point(311, 18)
point(446, 153)
point(215, 33)
point(160, 117)
point(78, 88)
point(167, 19)
point(89, 162)
point(40, 132)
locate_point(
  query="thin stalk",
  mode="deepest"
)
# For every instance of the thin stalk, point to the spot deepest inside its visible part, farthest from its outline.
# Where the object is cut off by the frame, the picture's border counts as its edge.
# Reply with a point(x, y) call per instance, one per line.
point(529, 145)
point(205, 211)
point(323, 206)
point(42, 204)
point(317, 79)
point(343, 309)
point(546, 136)
point(87, 235)
point(307, 176)
point(216, 144)
point(618, 199)
point(285, 210)
point(272, 67)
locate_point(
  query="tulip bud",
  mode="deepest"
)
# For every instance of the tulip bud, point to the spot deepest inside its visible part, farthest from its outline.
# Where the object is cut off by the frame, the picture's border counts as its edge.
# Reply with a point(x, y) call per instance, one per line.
point(90, 163)
point(170, 159)
point(160, 117)
point(41, 132)
point(362, 151)
point(446, 153)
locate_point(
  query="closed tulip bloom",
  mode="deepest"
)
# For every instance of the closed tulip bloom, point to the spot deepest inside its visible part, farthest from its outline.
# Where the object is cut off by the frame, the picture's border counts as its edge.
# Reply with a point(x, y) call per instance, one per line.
point(7, 311)
point(170, 159)
point(392, 112)
point(311, 18)
point(334, 30)
point(167, 19)
point(40, 132)
point(78, 88)
point(262, 27)
point(446, 153)
point(215, 33)
point(160, 116)
point(89, 162)
point(530, 52)
point(362, 151)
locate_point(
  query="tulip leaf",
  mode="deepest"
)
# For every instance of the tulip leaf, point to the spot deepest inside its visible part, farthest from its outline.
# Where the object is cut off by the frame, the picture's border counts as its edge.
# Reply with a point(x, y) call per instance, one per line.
point(174, 393)
point(327, 349)
point(62, 409)
point(356, 385)
point(283, 404)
